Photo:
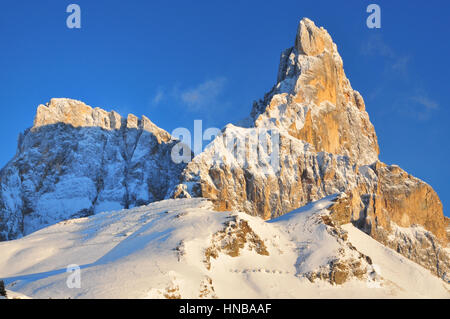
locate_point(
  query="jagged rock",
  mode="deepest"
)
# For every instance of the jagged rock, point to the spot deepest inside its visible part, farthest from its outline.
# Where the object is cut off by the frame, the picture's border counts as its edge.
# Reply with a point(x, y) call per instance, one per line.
point(254, 186)
point(447, 222)
point(345, 265)
point(75, 113)
point(76, 161)
point(393, 217)
point(326, 145)
point(394, 196)
point(207, 289)
point(309, 137)
point(314, 101)
point(375, 197)
point(236, 235)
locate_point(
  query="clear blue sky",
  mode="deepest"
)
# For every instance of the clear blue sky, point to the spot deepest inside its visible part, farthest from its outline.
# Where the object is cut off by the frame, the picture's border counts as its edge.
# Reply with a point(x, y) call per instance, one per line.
point(176, 61)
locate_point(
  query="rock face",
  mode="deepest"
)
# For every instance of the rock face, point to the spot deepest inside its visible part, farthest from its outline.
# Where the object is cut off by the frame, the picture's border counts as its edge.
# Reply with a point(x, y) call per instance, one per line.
point(447, 221)
point(309, 137)
point(395, 197)
point(325, 144)
point(182, 248)
point(254, 185)
point(76, 161)
point(400, 211)
point(314, 101)
point(379, 199)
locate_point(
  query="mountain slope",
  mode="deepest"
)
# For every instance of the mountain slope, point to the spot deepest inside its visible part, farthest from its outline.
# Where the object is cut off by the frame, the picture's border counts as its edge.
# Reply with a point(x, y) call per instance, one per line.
point(310, 137)
point(182, 248)
point(76, 161)
point(314, 139)
point(314, 101)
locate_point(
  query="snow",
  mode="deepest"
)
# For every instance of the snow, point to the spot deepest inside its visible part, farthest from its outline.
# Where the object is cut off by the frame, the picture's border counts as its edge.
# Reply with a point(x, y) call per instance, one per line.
point(159, 249)
point(316, 244)
point(62, 172)
point(397, 270)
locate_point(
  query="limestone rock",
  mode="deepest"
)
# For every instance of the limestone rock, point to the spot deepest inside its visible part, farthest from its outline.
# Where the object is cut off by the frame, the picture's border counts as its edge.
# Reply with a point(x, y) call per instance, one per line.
point(447, 222)
point(254, 186)
point(76, 161)
point(308, 138)
point(314, 101)
point(76, 114)
point(326, 145)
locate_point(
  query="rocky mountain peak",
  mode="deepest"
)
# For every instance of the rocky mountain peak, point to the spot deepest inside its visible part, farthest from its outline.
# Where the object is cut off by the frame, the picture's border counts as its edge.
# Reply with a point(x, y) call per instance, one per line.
point(78, 114)
point(75, 113)
point(314, 101)
point(311, 40)
point(77, 160)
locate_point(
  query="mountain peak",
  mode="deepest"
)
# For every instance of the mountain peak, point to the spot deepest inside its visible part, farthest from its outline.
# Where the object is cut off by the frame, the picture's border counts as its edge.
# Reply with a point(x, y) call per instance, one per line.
point(78, 114)
point(313, 100)
point(75, 113)
point(307, 140)
point(312, 40)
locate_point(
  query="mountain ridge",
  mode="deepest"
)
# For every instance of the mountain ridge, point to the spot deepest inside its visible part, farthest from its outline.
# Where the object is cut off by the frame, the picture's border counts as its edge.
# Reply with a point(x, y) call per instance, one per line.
point(182, 248)
point(77, 161)
point(326, 145)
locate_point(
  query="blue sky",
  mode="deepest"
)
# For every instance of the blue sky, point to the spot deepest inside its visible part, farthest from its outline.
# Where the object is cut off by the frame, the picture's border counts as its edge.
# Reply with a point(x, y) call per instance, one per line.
point(179, 61)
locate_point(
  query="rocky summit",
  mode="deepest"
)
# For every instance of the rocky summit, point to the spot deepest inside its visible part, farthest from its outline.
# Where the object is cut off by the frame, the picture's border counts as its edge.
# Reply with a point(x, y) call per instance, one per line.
point(327, 145)
point(313, 100)
point(78, 161)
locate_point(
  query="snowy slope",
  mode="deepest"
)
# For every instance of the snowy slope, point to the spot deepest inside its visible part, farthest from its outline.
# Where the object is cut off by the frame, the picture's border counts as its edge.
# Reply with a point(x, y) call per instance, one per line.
point(396, 270)
point(182, 248)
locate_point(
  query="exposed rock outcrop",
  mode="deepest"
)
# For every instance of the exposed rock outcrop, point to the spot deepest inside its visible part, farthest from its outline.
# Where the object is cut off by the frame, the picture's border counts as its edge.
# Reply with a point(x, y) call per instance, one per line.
point(325, 144)
point(236, 235)
point(308, 138)
point(348, 263)
point(76, 161)
point(401, 212)
point(314, 101)
point(394, 197)
point(257, 187)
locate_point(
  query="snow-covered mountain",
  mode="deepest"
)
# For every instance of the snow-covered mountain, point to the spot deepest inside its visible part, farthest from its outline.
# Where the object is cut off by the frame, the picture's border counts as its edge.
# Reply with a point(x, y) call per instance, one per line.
point(314, 101)
point(256, 213)
point(76, 161)
point(325, 144)
point(184, 249)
